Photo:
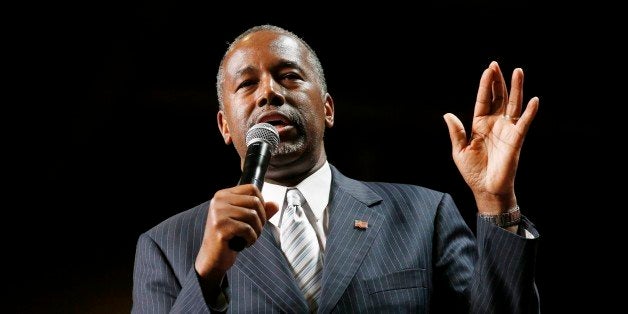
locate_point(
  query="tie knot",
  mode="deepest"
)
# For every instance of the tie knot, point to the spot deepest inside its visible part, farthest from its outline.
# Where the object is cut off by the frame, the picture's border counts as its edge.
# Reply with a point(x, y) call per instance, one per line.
point(294, 197)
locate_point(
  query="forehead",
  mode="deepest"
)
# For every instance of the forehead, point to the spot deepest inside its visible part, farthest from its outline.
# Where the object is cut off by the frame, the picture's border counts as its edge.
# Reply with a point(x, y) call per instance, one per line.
point(264, 48)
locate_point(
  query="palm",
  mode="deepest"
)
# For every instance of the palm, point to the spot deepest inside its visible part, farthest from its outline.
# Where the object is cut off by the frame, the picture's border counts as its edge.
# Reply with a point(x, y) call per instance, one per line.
point(488, 160)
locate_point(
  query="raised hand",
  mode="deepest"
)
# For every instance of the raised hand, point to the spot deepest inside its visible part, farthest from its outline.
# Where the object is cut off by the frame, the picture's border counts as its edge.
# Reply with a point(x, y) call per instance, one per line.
point(488, 159)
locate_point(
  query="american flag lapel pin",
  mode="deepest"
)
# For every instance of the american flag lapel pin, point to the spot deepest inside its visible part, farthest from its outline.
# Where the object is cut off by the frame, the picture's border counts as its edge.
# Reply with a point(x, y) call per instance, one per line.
point(360, 224)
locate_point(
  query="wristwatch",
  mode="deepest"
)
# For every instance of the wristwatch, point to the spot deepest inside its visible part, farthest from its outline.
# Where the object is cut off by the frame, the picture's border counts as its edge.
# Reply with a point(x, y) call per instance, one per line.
point(510, 218)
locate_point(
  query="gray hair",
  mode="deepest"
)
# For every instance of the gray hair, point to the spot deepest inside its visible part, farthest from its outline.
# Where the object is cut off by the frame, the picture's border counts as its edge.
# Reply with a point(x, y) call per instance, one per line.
point(312, 58)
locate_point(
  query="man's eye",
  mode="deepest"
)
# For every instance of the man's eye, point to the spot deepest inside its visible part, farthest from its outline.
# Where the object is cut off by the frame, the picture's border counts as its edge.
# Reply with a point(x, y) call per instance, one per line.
point(246, 84)
point(291, 76)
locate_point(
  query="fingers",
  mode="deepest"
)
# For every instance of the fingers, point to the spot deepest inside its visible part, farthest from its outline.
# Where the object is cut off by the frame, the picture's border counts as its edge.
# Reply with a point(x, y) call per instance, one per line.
point(513, 109)
point(248, 197)
point(248, 223)
point(484, 97)
point(457, 133)
point(493, 97)
point(242, 230)
point(528, 115)
point(238, 211)
point(499, 89)
point(271, 209)
point(248, 216)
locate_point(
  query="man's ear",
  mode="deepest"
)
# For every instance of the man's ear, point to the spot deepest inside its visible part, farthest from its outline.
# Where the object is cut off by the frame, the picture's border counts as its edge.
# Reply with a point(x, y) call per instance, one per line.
point(329, 111)
point(223, 126)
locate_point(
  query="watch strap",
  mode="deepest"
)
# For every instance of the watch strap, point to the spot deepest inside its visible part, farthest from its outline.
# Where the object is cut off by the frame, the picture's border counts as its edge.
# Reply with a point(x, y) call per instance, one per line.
point(510, 218)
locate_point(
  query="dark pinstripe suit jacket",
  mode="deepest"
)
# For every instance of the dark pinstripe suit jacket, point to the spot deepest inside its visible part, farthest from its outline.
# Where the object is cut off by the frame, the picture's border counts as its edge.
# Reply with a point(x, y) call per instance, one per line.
point(417, 255)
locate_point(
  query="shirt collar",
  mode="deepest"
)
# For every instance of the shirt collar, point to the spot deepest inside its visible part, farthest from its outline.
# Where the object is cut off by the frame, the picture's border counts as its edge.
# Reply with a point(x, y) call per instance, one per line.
point(314, 188)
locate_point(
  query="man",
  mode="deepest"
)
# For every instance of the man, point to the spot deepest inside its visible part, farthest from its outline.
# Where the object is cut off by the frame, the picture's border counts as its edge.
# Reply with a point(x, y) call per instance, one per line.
point(374, 246)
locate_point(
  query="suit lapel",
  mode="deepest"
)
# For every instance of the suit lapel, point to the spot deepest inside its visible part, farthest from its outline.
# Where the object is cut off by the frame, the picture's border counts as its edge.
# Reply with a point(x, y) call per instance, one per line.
point(266, 266)
point(347, 246)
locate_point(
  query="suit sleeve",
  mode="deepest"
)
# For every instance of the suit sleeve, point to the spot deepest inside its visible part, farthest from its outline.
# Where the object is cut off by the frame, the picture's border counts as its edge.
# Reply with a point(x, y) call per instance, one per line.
point(493, 274)
point(156, 289)
point(503, 280)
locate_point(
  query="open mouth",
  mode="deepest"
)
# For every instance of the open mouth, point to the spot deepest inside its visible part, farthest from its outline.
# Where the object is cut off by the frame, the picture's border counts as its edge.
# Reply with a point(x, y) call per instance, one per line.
point(278, 120)
point(276, 123)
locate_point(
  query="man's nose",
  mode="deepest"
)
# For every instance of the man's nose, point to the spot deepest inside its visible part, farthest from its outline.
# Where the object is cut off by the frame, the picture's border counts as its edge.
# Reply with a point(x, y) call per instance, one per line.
point(271, 93)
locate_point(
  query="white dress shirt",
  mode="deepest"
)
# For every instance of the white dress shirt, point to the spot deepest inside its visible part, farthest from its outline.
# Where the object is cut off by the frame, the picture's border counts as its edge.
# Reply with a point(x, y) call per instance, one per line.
point(315, 189)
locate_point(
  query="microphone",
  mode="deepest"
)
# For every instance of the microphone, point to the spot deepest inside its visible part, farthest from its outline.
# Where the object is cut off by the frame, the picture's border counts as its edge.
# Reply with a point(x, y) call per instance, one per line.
point(262, 140)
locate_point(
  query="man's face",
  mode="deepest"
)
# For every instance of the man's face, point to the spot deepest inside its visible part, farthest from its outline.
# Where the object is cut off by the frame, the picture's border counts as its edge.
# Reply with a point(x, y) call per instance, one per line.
point(268, 78)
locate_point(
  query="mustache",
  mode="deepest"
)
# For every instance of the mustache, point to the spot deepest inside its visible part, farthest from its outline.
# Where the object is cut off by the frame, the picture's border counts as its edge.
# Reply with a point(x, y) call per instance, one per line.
point(295, 117)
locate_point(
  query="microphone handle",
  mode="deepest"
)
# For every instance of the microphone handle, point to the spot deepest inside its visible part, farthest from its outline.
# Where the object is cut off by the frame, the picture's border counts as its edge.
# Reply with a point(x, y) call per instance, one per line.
point(255, 165)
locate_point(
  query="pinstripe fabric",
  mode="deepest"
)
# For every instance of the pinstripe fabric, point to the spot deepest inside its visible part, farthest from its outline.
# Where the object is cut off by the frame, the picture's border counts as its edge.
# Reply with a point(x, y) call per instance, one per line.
point(164, 279)
point(417, 255)
point(506, 289)
point(264, 264)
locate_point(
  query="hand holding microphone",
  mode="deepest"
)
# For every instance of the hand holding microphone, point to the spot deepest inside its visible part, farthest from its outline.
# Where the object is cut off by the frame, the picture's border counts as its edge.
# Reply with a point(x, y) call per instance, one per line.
point(235, 215)
point(262, 140)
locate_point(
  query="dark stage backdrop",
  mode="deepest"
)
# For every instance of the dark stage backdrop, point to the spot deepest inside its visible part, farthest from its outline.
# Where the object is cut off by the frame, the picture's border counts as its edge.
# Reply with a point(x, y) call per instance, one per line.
point(121, 109)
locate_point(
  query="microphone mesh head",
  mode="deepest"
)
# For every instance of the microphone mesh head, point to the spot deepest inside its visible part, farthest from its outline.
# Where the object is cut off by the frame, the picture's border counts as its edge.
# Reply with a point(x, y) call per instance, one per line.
point(263, 132)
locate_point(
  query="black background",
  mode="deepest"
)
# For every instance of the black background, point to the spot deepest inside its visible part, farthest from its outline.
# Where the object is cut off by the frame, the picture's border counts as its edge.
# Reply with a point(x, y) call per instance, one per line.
point(120, 133)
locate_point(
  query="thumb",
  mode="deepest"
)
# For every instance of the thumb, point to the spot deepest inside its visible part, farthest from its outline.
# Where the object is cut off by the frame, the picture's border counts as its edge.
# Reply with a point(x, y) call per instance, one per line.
point(271, 209)
point(457, 133)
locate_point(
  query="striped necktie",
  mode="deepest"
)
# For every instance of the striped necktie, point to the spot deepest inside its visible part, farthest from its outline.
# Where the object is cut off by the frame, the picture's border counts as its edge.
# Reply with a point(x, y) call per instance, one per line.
point(300, 245)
